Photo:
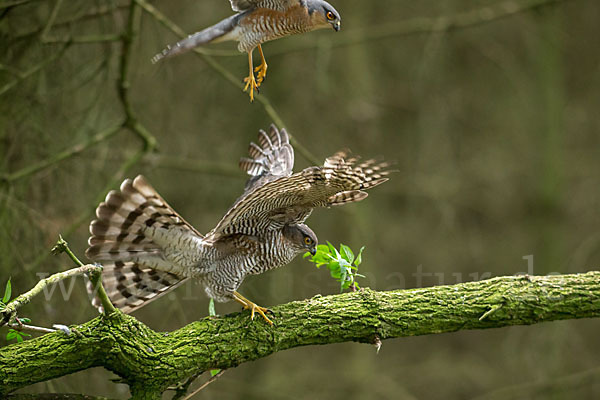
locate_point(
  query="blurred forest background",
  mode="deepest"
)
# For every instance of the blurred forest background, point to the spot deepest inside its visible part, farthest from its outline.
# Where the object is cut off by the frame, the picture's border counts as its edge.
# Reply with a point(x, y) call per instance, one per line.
point(489, 107)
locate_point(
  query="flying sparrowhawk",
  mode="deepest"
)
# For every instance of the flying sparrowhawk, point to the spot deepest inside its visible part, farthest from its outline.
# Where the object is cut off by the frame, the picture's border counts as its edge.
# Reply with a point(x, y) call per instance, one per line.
point(256, 22)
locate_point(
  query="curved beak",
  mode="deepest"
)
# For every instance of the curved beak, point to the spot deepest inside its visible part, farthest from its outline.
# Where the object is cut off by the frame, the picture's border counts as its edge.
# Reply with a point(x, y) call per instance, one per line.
point(313, 251)
point(337, 26)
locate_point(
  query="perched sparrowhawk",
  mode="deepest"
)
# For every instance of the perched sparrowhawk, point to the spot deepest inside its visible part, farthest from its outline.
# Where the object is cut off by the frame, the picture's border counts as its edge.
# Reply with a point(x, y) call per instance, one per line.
point(259, 21)
point(146, 248)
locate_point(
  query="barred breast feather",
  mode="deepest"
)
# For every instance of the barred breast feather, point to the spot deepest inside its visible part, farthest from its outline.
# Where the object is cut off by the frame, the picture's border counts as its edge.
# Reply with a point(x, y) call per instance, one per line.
point(280, 5)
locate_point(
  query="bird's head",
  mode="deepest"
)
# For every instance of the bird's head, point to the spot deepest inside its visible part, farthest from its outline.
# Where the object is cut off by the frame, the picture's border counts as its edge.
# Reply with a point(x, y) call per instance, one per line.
point(323, 15)
point(301, 237)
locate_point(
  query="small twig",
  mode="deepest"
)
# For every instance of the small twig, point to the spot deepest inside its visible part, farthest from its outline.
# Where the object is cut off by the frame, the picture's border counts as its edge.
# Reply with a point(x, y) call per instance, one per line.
point(208, 382)
point(377, 343)
point(11, 308)
point(95, 275)
point(182, 388)
point(51, 19)
point(31, 328)
point(63, 247)
point(489, 312)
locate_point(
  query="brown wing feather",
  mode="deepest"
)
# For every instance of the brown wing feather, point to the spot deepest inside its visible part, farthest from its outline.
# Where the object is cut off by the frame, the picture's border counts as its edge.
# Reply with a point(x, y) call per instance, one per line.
point(291, 199)
point(271, 158)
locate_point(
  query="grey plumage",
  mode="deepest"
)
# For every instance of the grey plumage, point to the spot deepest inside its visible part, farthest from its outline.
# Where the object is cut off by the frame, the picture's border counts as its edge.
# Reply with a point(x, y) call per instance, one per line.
point(259, 21)
point(147, 249)
point(213, 34)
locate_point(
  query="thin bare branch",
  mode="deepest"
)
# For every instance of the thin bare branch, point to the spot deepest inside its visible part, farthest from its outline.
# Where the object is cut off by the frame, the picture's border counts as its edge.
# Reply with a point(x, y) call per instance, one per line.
point(63, 155)
point(30, 328)
point(51, 19)
point(10, 311)
point(269, 109)
point(131, 122)
point(33, 70)
point(205, 384)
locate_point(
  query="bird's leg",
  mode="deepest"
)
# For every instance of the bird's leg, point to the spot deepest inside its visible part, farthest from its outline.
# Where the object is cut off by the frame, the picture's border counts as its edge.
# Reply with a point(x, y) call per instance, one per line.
point(250, 81)
point(248, 305)
point(262, 68)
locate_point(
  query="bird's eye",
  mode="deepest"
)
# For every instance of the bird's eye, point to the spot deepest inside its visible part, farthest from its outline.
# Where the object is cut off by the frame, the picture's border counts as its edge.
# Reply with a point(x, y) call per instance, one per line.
point(330, 16)
point(307, 240)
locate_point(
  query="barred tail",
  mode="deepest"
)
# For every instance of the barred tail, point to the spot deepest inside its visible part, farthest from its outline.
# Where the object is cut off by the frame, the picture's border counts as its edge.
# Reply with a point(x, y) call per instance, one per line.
point(130, 285)
point(215, 33)
point(133, 225)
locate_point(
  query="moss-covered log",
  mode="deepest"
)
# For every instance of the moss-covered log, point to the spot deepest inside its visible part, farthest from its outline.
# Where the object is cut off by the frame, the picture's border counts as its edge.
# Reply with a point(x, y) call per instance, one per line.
point(151, 361)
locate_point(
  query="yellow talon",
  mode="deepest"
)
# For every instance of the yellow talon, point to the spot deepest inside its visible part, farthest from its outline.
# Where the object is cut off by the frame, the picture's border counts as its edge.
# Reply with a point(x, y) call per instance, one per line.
point(248, 305)
point(262, 68)
point(251, 83)
point(262, 72)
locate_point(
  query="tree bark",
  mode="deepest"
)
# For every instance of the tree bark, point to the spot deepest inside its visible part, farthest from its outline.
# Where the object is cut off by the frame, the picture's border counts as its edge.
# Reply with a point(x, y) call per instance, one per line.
point(151, 361)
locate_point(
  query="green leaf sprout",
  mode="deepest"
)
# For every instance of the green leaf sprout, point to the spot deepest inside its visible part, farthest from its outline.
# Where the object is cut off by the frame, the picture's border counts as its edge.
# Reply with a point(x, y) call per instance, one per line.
point(7, 292)
point(342, 264)
point(18, 335)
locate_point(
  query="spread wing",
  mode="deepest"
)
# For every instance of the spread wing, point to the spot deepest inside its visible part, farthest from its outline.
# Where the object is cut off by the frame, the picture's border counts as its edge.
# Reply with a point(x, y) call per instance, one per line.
point(280, 5)
point(270, 159)
point(291, 199)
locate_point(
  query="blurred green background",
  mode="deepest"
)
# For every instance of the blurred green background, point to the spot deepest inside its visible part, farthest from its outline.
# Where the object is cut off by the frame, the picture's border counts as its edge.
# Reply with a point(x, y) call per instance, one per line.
point(493, 126)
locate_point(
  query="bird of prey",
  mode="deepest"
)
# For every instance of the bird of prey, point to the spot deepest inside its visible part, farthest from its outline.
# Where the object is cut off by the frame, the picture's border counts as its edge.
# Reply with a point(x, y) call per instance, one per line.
point(146, 248)
point(256, 22)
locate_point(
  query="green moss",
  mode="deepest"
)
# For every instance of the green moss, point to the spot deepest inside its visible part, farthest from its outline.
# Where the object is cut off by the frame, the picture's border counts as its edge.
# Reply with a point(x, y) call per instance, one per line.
point(151, 361)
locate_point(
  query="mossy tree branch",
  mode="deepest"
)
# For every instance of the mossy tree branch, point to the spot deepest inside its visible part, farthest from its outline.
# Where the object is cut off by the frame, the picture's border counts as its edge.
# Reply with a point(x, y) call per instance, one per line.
point(150, 361)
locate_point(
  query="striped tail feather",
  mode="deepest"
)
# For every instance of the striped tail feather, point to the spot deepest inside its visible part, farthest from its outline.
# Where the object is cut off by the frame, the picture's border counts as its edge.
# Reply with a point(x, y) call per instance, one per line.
point(130, 286)
point(213, 34)
point(133, 226)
